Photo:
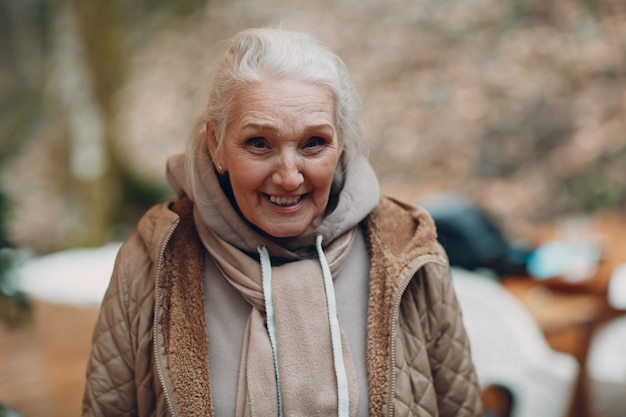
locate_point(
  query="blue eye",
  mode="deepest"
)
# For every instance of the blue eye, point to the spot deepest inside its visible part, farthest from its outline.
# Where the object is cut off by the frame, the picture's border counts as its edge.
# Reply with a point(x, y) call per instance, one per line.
point(257, 142)
point(314, 142)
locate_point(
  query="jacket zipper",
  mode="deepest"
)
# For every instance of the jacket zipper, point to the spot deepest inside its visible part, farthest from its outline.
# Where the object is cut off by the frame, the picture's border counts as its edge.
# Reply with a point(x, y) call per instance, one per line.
point(157, 305)
point(412, 270)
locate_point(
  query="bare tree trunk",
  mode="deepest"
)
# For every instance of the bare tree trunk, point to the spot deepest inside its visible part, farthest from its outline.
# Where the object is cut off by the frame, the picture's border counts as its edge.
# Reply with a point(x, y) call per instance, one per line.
point(84, 96)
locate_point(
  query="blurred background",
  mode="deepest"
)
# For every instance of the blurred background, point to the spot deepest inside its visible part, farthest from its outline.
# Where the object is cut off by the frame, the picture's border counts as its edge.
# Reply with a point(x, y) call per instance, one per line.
point(518, 106)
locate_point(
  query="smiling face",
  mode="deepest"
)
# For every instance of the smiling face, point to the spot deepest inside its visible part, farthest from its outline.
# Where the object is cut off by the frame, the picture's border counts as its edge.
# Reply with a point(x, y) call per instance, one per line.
point(280, 149)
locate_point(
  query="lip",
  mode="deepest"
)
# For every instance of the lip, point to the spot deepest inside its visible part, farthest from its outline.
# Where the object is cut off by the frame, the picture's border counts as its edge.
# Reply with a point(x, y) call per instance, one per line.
point(285, 203)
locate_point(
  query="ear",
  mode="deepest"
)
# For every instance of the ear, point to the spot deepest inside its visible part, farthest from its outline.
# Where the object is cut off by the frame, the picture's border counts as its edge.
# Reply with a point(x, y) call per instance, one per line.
point(212, 144)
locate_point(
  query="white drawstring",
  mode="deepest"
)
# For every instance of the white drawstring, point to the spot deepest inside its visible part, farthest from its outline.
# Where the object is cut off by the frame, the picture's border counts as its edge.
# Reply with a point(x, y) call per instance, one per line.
point(266, 271)
point(343, 392)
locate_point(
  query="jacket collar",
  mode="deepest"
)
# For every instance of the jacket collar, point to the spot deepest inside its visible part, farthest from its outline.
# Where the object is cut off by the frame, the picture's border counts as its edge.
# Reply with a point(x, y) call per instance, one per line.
point(155, 228)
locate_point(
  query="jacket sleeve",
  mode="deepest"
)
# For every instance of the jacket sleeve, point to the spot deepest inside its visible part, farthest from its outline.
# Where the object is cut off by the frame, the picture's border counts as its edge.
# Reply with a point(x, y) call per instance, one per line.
point(110, 384)
point(454, 376)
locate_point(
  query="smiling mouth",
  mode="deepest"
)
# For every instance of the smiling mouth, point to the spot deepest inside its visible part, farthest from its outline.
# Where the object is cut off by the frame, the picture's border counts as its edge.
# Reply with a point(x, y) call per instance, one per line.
point(285, 201)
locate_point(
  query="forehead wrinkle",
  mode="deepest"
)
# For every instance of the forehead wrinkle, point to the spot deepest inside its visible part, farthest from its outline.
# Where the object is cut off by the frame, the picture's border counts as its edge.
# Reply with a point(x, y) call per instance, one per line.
point(263, 109)
point(307, 125)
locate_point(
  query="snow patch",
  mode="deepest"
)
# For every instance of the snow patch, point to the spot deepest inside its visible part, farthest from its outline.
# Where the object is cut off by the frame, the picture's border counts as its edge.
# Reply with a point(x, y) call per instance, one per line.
point(76, 277)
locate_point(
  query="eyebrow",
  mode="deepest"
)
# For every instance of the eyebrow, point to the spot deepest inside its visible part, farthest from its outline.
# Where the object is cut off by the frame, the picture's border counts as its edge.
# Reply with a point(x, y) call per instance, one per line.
point(259, 126)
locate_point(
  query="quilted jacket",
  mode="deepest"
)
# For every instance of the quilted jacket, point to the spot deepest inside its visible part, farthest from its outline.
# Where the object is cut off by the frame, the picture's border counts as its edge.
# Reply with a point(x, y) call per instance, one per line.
point(150, 355)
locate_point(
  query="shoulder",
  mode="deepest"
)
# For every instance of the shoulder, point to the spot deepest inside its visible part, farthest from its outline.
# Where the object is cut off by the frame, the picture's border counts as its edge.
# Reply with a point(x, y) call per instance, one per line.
point(404, 251)
point(402, 229)
point(157, 231)
point(154, 229)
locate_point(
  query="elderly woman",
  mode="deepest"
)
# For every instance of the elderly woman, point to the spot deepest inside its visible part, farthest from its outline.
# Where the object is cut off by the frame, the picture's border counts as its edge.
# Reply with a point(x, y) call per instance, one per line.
point(280, 283)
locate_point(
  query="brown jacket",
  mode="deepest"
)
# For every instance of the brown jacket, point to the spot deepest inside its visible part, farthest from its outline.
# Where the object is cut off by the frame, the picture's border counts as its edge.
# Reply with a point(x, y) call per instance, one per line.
point(150, 355)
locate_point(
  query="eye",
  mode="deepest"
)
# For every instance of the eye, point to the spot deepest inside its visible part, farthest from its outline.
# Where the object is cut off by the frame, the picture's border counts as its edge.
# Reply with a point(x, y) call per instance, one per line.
point(314, 142)
point(257, 143)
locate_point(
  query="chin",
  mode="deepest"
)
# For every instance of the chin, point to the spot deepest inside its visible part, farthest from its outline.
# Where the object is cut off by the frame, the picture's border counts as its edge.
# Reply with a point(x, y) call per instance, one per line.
point(281, 228)
point(285, 234)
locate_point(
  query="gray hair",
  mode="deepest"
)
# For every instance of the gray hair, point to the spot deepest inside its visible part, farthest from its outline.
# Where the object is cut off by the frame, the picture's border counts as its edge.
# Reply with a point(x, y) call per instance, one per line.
point(253, 54)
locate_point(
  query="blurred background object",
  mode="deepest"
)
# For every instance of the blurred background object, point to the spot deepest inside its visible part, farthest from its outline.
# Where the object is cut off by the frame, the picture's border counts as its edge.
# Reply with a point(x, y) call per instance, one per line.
point(607, 369)
point(519, 106)
point(510, 351)
point(471, 238)
point(14, 304)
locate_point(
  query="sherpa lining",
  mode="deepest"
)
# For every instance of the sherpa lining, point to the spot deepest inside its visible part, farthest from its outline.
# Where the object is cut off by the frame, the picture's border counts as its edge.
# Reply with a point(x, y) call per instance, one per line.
point(395, 236)
point(183, 314)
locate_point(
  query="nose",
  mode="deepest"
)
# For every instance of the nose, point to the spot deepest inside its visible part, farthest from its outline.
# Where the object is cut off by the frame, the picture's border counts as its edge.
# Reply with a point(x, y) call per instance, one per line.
point(288, 174)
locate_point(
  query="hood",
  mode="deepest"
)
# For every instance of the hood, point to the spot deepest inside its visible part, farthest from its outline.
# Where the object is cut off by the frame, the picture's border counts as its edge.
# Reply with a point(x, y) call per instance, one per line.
point(354, 194)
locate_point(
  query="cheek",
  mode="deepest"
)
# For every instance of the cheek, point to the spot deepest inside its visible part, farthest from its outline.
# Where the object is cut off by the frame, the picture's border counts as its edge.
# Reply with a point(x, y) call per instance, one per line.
point(242, 182)
point(322, 178)
point(246, 176)
point(240, 165)
point(245, 194)
point(326, 169)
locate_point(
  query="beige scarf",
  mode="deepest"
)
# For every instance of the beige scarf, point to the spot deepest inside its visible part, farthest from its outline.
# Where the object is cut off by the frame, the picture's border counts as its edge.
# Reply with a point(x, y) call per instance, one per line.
point(306, 370)
point(307, 362)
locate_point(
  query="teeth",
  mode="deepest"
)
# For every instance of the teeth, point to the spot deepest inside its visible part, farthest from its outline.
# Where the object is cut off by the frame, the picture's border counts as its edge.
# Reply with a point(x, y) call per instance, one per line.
point(285, 201)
